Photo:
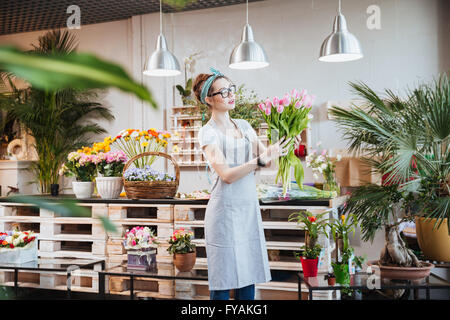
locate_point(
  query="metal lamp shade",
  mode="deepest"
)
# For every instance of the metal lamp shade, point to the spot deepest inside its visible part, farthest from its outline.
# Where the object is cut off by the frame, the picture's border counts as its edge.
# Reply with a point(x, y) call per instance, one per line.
point(162, 62)
point(248, 54)
point(340, 45)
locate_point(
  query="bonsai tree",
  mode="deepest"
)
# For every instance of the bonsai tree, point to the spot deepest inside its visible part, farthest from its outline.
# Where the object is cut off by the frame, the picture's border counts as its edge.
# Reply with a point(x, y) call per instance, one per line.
point(60, 120)
point(406, 141)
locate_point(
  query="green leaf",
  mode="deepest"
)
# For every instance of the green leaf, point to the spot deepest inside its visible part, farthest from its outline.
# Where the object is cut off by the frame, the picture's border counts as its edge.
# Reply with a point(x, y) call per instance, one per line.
point(298, 170)
point(107, 224)
point(180, 89)
point(189, 84)
point(73, 70)
point(66, 207)
point(63, 207)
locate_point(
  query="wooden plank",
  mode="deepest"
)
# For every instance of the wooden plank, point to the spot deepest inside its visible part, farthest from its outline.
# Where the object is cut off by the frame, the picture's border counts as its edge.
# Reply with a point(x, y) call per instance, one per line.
point(72, 237)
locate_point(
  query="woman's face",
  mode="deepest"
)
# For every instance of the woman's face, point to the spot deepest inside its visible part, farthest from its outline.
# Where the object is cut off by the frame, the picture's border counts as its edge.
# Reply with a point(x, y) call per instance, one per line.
point(223, 95)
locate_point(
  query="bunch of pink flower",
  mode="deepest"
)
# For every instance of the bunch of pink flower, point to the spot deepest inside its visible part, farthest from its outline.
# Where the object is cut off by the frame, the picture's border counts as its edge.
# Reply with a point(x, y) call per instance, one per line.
point(289, 117)
point(87, 159)
point(110, 164)
point(295, 98)
point(140, 238)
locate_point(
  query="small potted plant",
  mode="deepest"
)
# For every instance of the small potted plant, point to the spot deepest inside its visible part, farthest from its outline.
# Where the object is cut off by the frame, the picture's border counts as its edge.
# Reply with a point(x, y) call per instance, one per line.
point(141, 244)
point(110, 166)
point(81, 165)
point(314, 225)
point(340, 229)
point(331, 278)
point(183, 250)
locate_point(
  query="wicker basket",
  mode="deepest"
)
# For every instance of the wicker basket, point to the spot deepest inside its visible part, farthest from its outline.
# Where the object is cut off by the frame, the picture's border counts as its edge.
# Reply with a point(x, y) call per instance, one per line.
point(151, 189)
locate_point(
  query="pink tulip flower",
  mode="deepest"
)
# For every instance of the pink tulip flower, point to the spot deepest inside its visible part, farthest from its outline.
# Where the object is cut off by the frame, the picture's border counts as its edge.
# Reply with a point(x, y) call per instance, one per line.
point(303, 93)
point(286, 100)
point(298, 104)
point(276, 102)
point(307, 101)
point(294, 93)
point(324, 152)
point(261, 106)
point(268, 110)
point(268, 103)
point(280, 108)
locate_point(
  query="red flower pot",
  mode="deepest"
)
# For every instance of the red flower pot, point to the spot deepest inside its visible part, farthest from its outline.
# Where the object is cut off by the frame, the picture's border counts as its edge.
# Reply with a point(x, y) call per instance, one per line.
point(309, 267)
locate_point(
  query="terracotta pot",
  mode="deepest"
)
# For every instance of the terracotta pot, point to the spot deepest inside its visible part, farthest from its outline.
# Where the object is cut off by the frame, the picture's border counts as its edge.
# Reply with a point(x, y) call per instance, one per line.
point(331, 281)
point(435, 244)
point(403, 273)
point(309, 267)
point(184, 261)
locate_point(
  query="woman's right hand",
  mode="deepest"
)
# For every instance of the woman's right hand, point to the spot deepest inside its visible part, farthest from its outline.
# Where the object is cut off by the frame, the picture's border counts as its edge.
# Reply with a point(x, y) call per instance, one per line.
point(276, 150)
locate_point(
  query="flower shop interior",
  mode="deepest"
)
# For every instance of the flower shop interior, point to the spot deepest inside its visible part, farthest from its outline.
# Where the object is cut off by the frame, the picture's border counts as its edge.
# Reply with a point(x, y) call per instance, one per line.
point(357, 210)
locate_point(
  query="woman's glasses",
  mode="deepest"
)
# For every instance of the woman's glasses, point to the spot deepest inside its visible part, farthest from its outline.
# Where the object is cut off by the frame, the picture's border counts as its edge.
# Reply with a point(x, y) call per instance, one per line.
point(225, 93)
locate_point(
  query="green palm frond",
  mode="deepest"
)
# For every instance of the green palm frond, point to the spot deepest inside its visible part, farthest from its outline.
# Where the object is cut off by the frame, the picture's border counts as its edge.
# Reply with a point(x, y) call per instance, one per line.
point(60, 120)
point(406, 140)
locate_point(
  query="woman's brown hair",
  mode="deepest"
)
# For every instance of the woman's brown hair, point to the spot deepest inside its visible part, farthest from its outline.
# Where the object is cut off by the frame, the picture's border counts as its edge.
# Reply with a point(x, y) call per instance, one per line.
point(200, 81)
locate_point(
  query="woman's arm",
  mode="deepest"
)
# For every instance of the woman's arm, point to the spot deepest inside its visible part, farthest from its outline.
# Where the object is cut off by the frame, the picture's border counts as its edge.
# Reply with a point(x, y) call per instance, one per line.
point(229, 175)
point(217, 160)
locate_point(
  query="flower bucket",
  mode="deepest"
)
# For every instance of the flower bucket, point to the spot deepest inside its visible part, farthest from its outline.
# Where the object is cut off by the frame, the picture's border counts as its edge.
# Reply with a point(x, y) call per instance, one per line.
point(143, 259)
point(184, 261)
point(83, 189)
point(109, 187)
point(19, 255)
point(342, 273)
point(309, 267)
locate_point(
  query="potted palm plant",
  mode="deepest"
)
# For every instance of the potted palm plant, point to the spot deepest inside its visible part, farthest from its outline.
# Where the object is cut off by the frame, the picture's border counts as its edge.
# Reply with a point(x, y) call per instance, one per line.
point(58, 119)
point(407, 142)
point(314, 226)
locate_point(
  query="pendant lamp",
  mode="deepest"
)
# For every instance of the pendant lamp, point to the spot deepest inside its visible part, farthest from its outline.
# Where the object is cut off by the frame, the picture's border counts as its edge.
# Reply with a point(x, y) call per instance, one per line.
point(248, 54)
point(340, 45)
point(161, 63)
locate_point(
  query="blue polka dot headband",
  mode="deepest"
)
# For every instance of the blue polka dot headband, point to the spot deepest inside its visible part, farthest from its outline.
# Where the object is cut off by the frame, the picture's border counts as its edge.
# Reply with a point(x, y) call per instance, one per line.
point(208, 83)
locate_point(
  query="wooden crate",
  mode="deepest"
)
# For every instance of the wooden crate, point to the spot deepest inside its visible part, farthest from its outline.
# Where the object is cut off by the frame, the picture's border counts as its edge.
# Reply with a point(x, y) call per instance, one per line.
point(159, 213)
point(154, 286)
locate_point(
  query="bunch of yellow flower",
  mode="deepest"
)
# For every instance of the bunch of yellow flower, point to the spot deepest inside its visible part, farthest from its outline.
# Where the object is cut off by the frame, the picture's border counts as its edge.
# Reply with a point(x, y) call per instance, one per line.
point(134, 142)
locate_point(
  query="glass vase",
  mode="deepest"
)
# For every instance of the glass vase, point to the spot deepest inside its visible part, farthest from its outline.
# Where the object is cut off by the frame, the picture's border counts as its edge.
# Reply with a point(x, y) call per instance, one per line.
point(331, 184)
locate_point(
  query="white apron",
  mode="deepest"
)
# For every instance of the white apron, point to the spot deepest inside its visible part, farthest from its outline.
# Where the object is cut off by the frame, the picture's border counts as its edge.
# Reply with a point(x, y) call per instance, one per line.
point(235, 243)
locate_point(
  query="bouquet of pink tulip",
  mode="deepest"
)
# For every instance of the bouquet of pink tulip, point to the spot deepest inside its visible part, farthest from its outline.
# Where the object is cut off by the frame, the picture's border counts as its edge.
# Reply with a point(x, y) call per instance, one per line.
point(288, 117)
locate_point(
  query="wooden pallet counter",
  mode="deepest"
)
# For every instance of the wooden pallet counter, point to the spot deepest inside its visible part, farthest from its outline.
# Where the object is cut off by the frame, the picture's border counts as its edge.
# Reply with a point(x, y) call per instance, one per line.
point(84, 237)
point(58, 237)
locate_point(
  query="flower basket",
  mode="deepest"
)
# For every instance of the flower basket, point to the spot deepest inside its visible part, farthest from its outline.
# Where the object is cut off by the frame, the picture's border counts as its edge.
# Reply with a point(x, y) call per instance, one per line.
point(143, 259)
point(19, 255)
point(151, 189)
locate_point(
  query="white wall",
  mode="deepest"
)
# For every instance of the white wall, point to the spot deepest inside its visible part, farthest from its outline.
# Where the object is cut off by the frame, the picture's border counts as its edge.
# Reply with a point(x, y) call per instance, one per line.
point(412, 46)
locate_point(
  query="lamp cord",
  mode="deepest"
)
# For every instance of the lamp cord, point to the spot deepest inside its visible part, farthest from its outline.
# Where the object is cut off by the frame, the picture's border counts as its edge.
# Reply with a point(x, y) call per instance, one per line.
point(160, 16)
point(247, 11)
point(339, 6)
